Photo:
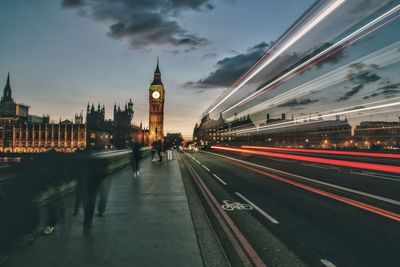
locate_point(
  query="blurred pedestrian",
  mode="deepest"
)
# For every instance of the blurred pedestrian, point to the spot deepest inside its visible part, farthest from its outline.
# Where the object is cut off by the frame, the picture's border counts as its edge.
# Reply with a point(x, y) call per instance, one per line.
point(159, 150)
point(153, 150)
point(135, 158)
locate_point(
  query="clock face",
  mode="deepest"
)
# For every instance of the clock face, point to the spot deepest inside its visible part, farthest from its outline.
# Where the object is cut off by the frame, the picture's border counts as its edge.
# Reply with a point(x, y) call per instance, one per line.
point(155, 94)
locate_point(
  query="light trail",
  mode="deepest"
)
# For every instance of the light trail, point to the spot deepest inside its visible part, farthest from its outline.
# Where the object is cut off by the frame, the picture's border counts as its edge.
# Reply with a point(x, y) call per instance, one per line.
point(349, 201)
point(304, 66)
point(315, 118)
point(266, 53)
point(291, 41)
point(328, 152)
point(335, 162)
point(382, 57)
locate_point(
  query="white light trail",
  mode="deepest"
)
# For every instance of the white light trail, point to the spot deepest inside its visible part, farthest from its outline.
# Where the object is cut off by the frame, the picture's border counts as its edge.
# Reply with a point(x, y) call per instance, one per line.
point(383, 57)
point(329, 49)
point(306, 28)
point(316, 118)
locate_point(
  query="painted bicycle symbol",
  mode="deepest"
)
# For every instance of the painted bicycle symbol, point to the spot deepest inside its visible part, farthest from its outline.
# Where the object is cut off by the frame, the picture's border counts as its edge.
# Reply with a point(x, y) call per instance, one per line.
point(235, 206)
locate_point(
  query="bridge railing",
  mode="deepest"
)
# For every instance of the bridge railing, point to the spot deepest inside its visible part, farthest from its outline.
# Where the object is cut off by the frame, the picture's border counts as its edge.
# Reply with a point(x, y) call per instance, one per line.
point(30, 186)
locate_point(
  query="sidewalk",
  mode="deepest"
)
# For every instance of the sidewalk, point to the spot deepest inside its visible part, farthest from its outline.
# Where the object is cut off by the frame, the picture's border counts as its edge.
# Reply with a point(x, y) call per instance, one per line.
point(147, 222)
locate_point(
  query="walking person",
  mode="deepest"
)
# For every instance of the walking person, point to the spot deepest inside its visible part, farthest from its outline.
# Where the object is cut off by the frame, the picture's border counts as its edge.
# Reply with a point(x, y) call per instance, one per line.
point(153, 150)
point(159, 150)
point(136, 158)
point(168, 149)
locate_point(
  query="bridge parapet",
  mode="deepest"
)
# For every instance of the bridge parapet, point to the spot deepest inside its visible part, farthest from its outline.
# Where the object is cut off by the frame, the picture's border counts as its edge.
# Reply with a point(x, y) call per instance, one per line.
point(30, 186)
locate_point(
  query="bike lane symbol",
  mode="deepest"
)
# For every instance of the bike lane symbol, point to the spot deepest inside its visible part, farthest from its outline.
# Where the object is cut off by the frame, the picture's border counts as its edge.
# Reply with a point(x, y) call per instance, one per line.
point(235, 206)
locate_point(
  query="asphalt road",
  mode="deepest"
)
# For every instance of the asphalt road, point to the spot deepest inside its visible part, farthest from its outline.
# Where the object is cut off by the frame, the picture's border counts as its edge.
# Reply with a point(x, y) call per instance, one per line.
point(306, 213)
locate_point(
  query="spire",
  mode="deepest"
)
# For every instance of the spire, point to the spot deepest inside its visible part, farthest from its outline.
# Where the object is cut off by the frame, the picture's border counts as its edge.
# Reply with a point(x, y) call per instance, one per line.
point(7, 96)
point(158, 67)
point(157, 74)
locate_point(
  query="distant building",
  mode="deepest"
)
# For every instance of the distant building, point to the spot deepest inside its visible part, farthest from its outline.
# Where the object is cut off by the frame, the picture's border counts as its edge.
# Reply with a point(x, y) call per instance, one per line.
point(9, 110)
point(118, 133)
point(173, 139)
point(24, 133)
point(98, 135)
point(123, 126)
point(377, 135)
point(309, 133)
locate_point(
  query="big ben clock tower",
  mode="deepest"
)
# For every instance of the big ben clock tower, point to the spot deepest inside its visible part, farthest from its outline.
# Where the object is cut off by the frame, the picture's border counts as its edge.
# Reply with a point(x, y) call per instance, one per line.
point(156, 107)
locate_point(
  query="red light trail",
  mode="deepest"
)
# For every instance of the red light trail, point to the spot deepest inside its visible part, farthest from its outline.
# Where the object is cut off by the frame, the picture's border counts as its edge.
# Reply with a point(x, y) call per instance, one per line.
point(354, 203)
point(336, 162)
point(330, 152)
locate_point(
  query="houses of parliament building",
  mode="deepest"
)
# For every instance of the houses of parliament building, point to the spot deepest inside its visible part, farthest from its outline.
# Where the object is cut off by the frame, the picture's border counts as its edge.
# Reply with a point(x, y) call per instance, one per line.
point(21, 132)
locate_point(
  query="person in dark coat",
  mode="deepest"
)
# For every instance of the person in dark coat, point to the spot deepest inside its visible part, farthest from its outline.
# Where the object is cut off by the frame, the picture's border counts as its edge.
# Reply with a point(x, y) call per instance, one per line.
point(135, 158)
point(159, 149)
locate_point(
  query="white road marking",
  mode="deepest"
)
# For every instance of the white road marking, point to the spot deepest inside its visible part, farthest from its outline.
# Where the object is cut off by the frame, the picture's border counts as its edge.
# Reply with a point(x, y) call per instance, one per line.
point(197, 161)
point(384, 199)
point(235, 206)
point(327, 263)
point(376, 176)
point(266, 215)
point(219, 179)
point(320, 166)
point(205, 167)
point(384, 174)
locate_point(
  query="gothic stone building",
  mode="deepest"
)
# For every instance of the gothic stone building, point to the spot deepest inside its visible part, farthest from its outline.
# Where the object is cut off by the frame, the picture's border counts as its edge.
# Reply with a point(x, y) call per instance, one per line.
point(24, 133)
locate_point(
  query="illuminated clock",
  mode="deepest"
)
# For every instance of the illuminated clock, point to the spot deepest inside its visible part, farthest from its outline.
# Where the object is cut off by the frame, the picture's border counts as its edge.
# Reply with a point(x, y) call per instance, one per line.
point(155, 94)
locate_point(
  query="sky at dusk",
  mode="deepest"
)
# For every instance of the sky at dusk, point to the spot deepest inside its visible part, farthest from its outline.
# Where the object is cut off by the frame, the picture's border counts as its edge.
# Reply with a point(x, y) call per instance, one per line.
point(63, 54)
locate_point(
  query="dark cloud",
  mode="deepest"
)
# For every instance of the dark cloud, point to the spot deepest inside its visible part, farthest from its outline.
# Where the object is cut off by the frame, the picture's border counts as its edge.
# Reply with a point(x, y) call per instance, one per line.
point(230, 69)
point(72, 3)
point(350, 93)
point(145, 23)
point(209, 55)
point(387, 91)
point(360, 74)
point(296, 103)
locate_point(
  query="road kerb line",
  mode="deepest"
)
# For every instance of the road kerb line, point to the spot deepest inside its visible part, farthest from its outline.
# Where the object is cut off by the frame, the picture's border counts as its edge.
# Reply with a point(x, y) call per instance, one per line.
point(219, 179)
point(266, 215)
point(244, 249)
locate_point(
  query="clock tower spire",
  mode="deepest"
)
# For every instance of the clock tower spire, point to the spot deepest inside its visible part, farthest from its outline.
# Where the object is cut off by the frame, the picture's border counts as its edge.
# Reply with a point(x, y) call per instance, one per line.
point(156, 106)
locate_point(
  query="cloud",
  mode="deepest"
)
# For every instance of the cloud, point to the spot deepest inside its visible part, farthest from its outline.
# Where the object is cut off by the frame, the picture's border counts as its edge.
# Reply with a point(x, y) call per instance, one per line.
point(145, 23)
point(72, 3)
point(360, 74)
point(209, 55)
point(350, 93)
point(296, 103)
point(387, 91)
point(230, 69)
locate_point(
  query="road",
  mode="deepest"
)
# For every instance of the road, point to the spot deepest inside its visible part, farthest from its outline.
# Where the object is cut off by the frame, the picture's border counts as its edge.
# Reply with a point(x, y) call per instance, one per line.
point(305, 212)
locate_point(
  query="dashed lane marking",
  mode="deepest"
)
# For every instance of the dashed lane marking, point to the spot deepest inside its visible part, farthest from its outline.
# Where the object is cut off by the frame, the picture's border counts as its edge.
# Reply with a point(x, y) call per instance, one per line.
point(219, 179)
point(205, 167)
point(327, 263)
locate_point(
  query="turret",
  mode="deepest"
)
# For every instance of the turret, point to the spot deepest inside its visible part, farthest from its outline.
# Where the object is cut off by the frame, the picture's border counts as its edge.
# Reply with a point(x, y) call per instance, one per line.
point(130, 104)
point(7, 94)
